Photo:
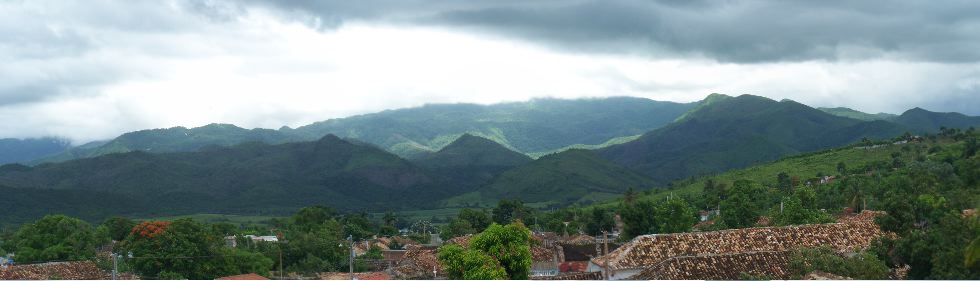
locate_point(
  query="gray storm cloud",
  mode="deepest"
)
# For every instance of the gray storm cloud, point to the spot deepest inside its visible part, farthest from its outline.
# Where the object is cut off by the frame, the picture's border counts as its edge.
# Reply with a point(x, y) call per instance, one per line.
point(94, 69)
point(728, 31)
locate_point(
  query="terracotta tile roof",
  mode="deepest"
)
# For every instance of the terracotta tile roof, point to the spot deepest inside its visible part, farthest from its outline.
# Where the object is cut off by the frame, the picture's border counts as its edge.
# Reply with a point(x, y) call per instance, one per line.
point(76, 270)
point(393, 255)
point(573, 266)
point(417, 263)
point(854, 234)
point(250, 276)
point(571, 276)
point(719, 267)
point(579, 239)
point(374, 275)
point(543, 253)
point(461, 240)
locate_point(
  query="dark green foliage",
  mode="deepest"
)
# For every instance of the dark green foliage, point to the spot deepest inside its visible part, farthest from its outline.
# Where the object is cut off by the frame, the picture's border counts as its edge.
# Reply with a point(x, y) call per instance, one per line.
point(478, 219)
point(745, 203)
point(250, 177)
point(508, 211)
point(510, 245)
point(737, 132)
point(801, 208)
point(850, 113)
point(648, 217)
point(187, 249)
point(118, 227)
point(357, 226)
point(924, 121)
point(536, 126)
point(53, 238)
point(470, 161)
point(467, 264)
point(601, 220)
point(22, 205)
point(862, 266)
point(470, 221)
point(457, 227)
point(560, 179)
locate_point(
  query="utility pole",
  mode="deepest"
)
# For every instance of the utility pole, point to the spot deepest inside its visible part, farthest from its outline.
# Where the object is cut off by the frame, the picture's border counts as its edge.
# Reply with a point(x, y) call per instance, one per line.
point(115, 266)
point(350, 238)
point(605, 243)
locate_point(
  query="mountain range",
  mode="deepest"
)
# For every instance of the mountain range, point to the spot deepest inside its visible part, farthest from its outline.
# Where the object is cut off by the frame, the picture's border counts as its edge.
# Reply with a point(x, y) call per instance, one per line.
point(461, 155)
point(535, 127)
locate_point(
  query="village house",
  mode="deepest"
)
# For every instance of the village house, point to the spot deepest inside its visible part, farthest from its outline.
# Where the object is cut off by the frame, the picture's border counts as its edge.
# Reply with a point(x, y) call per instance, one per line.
point(849, 235)
point(231, 241)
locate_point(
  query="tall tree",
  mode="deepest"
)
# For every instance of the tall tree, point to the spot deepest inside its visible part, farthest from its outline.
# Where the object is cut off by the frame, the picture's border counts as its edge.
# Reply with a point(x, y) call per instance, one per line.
point(508, 211)
point(510, 245)
point(677, 216)
point(478, 219)
point(53, 238)
point(118, 227)
point(744, 204)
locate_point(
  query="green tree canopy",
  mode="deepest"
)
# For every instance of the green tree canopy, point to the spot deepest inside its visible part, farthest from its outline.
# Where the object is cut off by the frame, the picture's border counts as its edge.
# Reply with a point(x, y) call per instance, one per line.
point(744, 204)
point(499, 252)
point(118, 227)
point(187, 249)
point(53, 238)
point(508, 211)
point(478, 219)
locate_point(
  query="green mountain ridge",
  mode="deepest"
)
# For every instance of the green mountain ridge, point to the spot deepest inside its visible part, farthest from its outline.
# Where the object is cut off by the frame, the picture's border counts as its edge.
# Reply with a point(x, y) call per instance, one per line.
point(248, 178)
point(738, 132)
point(471, 161)
point(924, 121)
point(854, 114)
point(534, 127)
point(572, 176)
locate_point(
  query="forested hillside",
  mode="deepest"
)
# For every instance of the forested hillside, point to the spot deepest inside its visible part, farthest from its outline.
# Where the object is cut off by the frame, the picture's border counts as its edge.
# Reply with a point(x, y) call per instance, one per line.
point(246, 178)
point(534, 127)
point(924, 121)
point(854, 114)
point(725, 133)
point(472, 161)
point(572, 176)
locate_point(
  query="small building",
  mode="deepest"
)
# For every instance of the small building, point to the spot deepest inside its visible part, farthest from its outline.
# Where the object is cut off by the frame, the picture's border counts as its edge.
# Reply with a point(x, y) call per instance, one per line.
point(232, 241)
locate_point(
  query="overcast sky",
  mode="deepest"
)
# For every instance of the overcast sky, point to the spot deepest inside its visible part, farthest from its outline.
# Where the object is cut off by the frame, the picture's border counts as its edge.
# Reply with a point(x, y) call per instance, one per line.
point(89, 70)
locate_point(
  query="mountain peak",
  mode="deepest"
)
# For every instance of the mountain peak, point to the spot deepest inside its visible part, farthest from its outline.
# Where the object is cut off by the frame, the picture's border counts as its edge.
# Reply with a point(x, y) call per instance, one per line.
point(471, 150)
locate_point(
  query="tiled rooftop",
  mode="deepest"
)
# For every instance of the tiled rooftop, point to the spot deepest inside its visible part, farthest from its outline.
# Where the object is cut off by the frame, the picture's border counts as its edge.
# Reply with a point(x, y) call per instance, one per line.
point(76, 270)
point(719, 267)
point(850, 235)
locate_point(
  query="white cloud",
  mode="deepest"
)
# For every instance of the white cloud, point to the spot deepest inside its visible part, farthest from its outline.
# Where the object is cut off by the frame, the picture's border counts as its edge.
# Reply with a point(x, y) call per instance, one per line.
point(258, 70)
